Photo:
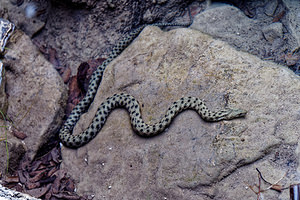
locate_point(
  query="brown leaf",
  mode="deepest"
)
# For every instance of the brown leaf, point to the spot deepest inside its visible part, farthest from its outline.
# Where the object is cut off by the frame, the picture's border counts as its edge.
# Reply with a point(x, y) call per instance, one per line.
point(74, 95)
point(30, 185)
point(20, 135)
point(53, 59)
point(56, 155)
point(12, 179)
point(48, 180)
point(52, 171)
point(74, 91)
point(25, 163)
point(34, 173)
point(35, 165)
point(66, 74)
point(49, 195)
point(291, 59)
point(56, 185)
point(38, 176)
point(70, 185)
point(82, 76)
point(85, 71)
point(23, 176)
point(279, 16)
point(38, 192)
point(277, 187)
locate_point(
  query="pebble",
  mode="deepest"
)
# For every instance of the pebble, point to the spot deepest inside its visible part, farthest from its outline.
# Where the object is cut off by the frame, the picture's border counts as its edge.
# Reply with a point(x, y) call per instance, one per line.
point(273, 31)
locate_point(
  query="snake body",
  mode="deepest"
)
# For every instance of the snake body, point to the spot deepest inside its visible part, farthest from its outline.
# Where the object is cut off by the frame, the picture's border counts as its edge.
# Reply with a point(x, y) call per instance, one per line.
point(139, 126)
point(6, 29)
point(127, 101)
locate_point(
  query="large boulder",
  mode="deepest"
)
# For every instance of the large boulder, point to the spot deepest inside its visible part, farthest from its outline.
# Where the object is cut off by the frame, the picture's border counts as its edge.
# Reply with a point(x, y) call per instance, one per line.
point(192, 159)
point(36, 97)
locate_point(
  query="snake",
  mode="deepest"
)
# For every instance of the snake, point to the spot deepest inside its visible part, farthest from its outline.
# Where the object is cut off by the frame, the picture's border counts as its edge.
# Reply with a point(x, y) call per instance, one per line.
point(139, 126)
point(123, 100)
point(128, 102)
point(6, 29)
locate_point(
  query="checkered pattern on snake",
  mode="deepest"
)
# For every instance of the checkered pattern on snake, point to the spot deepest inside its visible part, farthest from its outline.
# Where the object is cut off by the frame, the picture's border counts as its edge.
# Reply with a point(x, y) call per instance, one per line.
point(127, 101)
point(6, 29)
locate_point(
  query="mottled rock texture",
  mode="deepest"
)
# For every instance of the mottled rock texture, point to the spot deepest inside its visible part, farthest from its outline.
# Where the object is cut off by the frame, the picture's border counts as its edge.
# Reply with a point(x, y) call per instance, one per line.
point(36, 94)
point(293, 18)
point(83, 29)
point(12, 149)
point(230, 24)
point(192, 156)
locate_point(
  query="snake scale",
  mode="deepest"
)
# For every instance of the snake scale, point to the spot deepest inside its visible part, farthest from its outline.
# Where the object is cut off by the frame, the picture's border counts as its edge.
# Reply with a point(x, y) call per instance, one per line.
point(131, 104)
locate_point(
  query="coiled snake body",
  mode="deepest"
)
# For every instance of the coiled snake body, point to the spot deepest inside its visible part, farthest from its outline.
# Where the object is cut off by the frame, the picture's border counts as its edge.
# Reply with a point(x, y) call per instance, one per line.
point(127, 101)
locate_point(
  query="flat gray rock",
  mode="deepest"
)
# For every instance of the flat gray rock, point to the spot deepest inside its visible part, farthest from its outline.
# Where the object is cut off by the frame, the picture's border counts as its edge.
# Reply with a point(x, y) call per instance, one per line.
point(294, 19)
point(273, 31)
point(270, 7)
point(12, 149)
point(192, 159)
point(230, 24)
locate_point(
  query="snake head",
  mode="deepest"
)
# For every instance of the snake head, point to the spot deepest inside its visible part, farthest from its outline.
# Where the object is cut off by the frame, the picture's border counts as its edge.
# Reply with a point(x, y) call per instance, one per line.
point(235, 113)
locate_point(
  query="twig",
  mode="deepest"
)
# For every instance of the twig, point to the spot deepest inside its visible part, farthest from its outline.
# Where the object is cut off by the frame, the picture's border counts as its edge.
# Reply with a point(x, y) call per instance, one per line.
point(274, 186)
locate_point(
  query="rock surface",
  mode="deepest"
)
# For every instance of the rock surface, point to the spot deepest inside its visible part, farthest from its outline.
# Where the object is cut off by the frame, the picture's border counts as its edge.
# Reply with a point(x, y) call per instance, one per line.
point(233, 26)
point(36, 94)
point(294, 18)
point(92, 29)
point(192, 159)
point(273, 31)
point(12, 149)
point(270, 7)
point(177, 164)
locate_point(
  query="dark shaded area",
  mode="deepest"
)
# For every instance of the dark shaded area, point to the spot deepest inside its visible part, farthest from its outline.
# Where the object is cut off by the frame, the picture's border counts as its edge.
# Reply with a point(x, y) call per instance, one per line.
point(78, 84)
point(43, 179)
